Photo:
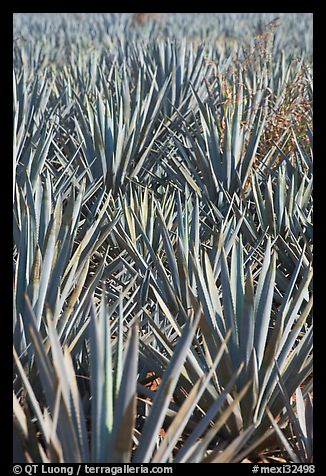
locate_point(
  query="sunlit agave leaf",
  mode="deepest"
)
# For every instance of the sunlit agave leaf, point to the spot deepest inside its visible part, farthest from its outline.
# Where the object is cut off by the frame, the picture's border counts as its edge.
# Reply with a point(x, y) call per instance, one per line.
point(21, 278)
point(229, 310)
point(264, 269)
point(237, 278)
point(247, 323)
point(236, 122)
point(195, 229)
point(32, 212)
point(301, 412)
point(183, 223)
point(269, 207)
point(263, 310)
point(48, 260)
point(259, 202)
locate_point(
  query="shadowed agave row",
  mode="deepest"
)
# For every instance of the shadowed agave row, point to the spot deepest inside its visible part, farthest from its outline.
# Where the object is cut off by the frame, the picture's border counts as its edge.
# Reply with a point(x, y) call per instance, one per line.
point(162, 238)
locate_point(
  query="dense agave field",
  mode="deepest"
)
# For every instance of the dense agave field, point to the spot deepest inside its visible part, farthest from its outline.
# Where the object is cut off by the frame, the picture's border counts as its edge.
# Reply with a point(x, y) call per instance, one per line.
point(162, 238)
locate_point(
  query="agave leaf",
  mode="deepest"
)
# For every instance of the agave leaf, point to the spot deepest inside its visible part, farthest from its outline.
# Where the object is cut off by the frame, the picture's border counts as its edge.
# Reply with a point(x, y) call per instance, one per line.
point(282, 438)
point(231, 451)
point(120, 442)
point(163, 396)
point(198, 452)
point(175, 429)
point(263, 310)
point(31, 395)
